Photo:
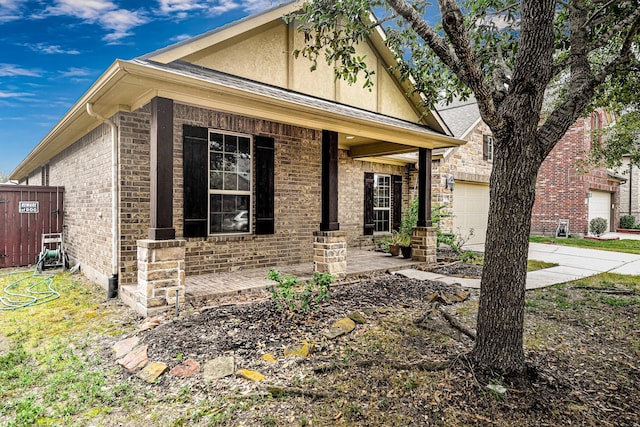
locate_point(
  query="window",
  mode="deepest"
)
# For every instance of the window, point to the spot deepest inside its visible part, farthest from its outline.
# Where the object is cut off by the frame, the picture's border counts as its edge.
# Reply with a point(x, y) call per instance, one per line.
point(219, 189)
point(229, 182)
point(381, 203)
point(487, 147)
point(45, 175)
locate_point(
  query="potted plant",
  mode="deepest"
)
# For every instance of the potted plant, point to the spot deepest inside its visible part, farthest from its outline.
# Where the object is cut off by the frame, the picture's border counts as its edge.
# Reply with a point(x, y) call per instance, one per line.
point(405, 245)
point(394, 244)
point(407, 224)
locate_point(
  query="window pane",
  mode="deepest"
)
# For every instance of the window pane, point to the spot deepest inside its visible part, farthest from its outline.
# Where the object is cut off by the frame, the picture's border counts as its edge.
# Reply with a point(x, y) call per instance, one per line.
point(216, 161)
point(230, 181)
point(230, 143)
point(244, 146)
point(235, 217)
point(230, 163)
point(381, 220)
point(215, 180)
point(215, 141)
point(216, 223)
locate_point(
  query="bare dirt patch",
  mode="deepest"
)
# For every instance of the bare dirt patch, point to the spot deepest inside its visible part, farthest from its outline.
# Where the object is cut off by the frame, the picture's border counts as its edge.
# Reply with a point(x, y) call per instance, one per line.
point(583, 347)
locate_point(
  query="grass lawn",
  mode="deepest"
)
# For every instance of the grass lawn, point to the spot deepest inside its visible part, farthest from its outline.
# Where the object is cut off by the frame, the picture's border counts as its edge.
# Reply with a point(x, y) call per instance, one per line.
point(57, 368)
point(627, 246)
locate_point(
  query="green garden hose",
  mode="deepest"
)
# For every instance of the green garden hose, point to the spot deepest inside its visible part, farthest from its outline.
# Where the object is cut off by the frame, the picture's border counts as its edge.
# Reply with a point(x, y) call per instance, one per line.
point(27, 291)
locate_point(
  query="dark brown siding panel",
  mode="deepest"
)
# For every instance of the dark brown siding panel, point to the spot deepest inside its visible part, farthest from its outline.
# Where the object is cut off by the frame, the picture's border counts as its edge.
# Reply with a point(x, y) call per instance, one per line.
point(397, 201)
point(265, 185)
point(195, 146)
point(368, 204)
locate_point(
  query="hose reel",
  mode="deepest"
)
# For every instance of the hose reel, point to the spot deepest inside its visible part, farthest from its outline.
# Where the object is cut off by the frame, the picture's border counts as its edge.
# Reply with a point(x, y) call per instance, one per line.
point(52, 254)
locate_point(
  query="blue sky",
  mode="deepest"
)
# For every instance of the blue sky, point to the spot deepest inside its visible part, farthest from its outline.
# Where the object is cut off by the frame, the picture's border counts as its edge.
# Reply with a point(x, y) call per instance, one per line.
point(52, 51)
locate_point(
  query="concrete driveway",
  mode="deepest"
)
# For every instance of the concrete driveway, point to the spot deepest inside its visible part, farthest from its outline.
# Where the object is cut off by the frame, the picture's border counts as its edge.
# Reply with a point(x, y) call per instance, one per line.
point(574, 263)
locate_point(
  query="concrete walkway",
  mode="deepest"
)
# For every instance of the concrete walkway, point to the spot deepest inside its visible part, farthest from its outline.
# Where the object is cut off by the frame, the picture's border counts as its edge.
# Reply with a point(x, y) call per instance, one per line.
point(574, 263)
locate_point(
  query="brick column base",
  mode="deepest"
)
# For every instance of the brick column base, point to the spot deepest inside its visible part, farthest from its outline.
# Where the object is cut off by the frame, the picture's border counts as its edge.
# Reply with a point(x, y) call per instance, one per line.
point(423, 243)
point(160, 275)
point(330, 252)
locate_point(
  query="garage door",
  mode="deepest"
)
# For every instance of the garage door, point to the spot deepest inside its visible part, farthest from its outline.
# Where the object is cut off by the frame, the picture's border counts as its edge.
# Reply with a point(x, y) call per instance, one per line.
point(471, 210)
point(600, 206)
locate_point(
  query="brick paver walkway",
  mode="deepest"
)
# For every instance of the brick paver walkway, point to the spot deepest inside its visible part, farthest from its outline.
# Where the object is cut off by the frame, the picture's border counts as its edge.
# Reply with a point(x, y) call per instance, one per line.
point(245, 281)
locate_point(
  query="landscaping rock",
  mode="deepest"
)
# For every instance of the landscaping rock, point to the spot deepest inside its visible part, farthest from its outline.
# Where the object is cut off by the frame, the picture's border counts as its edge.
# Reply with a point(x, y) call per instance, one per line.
point(123, 347)
point(269, 358)
point(186, 369)
point(219, 368)
point(135, 359)
point(250, 375)
point(357, 318)
point(152, 371)
point(346, 324)
point(333, 333)
point(303, 350)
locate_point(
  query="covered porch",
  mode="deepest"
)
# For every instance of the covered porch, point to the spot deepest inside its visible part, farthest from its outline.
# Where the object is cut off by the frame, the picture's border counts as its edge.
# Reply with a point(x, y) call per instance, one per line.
point(359, 262)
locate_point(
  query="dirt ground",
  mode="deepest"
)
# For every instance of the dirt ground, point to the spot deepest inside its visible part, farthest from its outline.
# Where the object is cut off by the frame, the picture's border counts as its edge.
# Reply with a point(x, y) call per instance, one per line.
point(582, 345)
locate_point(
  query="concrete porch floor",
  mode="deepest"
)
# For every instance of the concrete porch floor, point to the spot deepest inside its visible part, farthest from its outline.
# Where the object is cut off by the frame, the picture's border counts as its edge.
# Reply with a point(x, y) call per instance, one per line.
point(206, 286)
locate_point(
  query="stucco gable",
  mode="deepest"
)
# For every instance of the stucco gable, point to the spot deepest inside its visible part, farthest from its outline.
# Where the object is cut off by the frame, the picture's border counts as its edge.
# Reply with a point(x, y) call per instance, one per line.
point(260, 48)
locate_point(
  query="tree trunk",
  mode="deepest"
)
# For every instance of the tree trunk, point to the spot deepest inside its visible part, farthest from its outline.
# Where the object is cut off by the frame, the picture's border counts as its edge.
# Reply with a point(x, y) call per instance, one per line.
point(499, 343)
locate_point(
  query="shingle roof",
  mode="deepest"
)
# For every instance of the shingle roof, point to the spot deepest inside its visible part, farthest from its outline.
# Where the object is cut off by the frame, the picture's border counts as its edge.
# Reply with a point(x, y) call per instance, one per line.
point(251, 86)
point(460, 115)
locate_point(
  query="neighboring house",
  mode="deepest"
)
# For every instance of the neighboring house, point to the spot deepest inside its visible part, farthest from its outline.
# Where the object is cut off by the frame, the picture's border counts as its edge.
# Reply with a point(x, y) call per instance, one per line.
point(565, 191)
point(461, 174)
point(228, 154)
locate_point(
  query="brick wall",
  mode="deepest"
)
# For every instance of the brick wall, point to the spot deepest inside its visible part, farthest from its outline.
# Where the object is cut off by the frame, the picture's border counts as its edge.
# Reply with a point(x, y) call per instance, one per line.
point(465, 163)
point(297, 198)
point(135, 186)
point(562, 187)
point(351, 195)
point(84, 169)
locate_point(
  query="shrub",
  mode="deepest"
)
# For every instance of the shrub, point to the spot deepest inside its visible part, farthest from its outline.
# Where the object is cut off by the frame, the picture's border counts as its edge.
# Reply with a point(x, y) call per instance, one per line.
point(286, 295)
point(627, 221)
point(598, 226)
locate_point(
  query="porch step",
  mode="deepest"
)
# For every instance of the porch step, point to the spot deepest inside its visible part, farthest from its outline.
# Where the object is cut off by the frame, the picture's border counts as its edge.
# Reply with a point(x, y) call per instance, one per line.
point(128, 295)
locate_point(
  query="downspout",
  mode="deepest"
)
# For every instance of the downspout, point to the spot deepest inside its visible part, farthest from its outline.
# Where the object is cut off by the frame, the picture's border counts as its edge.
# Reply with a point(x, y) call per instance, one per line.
point(112, 290)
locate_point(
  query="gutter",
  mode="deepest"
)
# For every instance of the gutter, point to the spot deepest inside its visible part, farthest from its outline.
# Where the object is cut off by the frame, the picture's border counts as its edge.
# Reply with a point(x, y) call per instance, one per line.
point(112, 291)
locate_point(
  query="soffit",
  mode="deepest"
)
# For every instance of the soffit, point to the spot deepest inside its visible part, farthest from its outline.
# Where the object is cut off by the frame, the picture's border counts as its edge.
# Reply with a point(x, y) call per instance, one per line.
point(129, 85)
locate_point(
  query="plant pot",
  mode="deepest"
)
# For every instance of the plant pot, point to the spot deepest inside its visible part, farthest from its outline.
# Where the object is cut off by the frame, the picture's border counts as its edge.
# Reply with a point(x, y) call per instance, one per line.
point(394, 250)
point(406, 251)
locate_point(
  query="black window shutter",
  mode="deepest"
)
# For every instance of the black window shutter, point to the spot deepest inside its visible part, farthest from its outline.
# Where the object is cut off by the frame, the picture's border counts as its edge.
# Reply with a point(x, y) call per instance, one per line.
point(485, 147)
point(368, 203)
point(397, 201)
point(265, 184)
point(195, 171)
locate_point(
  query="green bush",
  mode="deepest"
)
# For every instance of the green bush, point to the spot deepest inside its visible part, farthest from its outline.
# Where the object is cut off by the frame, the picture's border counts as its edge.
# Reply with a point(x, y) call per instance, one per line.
point(287, 295)
point(627, 221)
point(598, 226)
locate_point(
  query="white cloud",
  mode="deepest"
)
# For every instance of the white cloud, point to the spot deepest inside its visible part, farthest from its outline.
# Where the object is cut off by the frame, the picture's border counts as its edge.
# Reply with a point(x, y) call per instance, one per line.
point(178, 6)
point(76, 72)
point(51, 49)
point(12, 70)
point(10, 10)
point(183, 8)
point(117, 21)
point(5, 94)
point(179, 38)
point(258, 5)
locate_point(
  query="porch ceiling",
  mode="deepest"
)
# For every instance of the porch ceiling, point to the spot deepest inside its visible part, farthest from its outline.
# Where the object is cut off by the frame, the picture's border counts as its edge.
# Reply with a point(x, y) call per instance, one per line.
point(128, 85)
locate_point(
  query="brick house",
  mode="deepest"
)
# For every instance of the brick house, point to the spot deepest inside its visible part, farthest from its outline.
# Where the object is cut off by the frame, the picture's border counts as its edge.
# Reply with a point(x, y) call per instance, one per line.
point(222, 153)
point(468, 168)
point(564, 191)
